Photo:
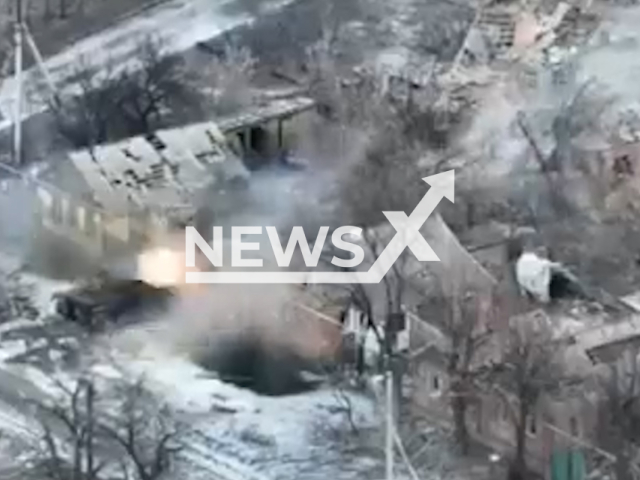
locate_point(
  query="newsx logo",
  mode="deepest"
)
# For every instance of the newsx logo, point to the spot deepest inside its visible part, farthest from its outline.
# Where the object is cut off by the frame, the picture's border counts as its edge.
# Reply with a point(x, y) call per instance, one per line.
point(407, 235)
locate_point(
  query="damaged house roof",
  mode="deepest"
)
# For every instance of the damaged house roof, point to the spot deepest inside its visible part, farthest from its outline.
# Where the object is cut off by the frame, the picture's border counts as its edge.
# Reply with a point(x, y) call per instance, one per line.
point(606, 342)
point(160, 171)
point(166, 169)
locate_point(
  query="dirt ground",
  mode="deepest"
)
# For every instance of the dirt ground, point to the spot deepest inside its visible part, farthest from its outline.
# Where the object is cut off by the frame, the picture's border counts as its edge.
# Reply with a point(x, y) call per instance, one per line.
point(53, 29)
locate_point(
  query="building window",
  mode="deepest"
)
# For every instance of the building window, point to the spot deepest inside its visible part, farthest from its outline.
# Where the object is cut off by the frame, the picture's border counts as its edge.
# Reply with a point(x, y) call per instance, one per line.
point(504, 408)
point(81, 218)
point(90, 224)
point(94, 227)
point(622, 165)
point(65, 212)
point(573, 427)
point(46, 200)
point(435, 383)
point(479, 419)
point(56, 210)
point(532, 427)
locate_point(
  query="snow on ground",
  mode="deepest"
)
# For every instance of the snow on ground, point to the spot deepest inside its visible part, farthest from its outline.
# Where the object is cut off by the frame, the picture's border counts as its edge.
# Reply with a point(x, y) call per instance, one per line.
point(234, 433)
point(259, 437)
point(43, 289)
point(13, 423)
point(21, 335)
point(40, 291)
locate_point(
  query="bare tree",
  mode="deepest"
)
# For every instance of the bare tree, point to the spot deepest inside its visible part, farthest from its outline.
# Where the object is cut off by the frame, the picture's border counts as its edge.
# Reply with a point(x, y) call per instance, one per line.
point(146, 92)
point(387, 178)
point(528, 370)
point(85, 118)
point(68, 438)
point(146, 431)
point(581, 113)
point(341, 393)
point(457, 312)
point(381, 307)
point(6, 46)
point(84, 431)
point(360, 299)
point(620, 413)
point(105, 104)
point(576, 115)
point(229, 79)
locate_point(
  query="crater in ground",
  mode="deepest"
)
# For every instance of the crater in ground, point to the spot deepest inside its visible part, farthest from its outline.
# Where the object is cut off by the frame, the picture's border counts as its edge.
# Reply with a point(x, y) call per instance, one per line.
point(248, 361)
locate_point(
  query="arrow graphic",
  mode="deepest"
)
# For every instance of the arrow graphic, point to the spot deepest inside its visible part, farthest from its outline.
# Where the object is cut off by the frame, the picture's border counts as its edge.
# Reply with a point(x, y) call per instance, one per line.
point(408, 228)
point(407, 236)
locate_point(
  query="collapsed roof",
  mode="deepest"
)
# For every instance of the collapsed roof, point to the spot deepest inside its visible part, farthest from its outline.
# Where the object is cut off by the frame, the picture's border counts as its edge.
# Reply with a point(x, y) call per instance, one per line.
point(166, 169)
point(159, 171)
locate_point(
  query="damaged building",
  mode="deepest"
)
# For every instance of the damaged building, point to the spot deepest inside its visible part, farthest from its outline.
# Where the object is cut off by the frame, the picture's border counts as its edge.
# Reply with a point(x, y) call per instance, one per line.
point(117, 197)
point(589, 328)
point(267, 133)
point(121, 195)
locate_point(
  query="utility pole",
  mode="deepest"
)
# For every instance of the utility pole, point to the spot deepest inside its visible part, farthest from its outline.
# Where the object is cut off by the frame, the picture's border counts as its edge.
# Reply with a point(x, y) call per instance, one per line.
point(390, 428)
point(90, 394)
point(21, 33)
point(31, 43)
point(17, 121)
point(394, 324)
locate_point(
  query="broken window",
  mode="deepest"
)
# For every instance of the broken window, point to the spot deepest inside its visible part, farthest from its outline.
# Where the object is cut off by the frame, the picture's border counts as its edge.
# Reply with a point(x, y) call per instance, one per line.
point(479, 418)
point(532, 427)
point(573, 426)
point(622, 166)
point(559, 76)
point(435, 383)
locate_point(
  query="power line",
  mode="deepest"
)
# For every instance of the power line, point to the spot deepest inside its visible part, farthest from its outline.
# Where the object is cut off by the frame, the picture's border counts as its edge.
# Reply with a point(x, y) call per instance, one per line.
point(17, 121)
